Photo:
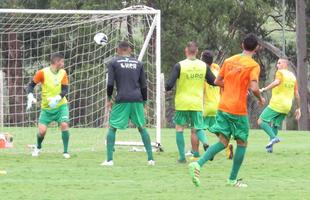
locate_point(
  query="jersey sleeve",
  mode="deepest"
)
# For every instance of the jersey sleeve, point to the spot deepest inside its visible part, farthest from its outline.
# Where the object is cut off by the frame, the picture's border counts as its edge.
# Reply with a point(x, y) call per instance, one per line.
point(38, 77)
point(279, 75)
point(65, 79)
point(254, 75)
point(222, 70)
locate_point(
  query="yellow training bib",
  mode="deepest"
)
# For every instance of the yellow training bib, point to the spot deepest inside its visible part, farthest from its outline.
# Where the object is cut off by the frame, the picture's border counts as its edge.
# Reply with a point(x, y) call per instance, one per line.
point(283, 94)
point(211, 95)
point(52, 86)
point(189, 89)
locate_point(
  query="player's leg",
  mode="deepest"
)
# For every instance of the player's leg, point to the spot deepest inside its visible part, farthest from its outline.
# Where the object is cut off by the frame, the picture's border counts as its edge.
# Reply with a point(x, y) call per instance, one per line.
point(223, 128)
point(198, 123)
point(268, 116)
point(181, 119)
point(44, 119)
point(138, 119)
point(62, 117)
point(40, 137)
point(65, 135)
point(264, 122)
point(240, 133)
point(119, 117)
point(195, 144)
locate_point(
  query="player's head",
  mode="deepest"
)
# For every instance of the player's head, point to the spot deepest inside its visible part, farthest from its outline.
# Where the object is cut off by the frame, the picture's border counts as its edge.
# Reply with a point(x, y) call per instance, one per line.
point(250, 42)
point(282, 63)
point(207, 57)
point(123, 48)
point(191, 49)
point(57, 60)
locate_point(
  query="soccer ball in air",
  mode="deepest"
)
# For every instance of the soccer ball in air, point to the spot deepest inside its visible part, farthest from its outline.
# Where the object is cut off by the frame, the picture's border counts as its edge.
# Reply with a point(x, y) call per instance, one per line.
point(101, 39)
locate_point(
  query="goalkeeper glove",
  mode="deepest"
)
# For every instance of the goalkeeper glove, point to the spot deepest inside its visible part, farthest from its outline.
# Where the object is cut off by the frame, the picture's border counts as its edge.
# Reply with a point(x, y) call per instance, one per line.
point(30, 101)
point(53, 101)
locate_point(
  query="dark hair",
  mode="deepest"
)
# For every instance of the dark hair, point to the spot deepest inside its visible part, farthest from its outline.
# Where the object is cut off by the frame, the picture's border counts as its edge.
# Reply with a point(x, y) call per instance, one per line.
point(207, 57)
point(124, 45)
point(192, 47)
point(250, 42)
point(56, 57)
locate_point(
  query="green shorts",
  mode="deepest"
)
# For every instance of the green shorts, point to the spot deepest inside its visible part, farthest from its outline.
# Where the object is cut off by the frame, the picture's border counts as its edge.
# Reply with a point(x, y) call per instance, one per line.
point(271, 116)
point(231, 125)
point(192, 118)
point(208, 121)
point(58, 115)
point(122, 112)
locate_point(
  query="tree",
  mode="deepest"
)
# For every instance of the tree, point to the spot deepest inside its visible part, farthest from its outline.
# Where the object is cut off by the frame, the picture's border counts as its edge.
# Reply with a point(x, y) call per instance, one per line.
point(302, 66)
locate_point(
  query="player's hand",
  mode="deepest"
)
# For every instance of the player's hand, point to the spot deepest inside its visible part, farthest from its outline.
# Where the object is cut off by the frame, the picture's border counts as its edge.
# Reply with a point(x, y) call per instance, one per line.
point(297, 114)
point(262, 90)
point(261, 102)
point(30, 101)
point(109, 105)
point(53, 101)
point(146, 108)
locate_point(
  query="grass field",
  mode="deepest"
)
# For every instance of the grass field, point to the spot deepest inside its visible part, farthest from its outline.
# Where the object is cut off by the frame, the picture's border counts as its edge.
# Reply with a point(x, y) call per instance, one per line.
point(285, 174)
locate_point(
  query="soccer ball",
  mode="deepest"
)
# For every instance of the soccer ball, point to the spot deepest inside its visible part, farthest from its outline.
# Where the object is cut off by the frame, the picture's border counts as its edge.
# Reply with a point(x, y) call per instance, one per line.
point(101, 39)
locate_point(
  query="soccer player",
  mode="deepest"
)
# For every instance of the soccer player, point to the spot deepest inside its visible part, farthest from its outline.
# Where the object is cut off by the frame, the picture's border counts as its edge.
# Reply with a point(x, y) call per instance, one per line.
point(54, 106)
point(129, 77)
point(211, 102)
point(284, 89)
point(238, 73)
point(189, 76)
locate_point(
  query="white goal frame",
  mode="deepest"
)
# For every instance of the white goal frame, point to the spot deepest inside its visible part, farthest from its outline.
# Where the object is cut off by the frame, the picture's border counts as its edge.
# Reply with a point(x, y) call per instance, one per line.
point(127, 11)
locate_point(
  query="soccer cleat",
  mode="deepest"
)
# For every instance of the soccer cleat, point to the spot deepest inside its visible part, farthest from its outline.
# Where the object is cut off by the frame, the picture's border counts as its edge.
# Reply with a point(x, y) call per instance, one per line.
point(107, 163)
point(194, 172)
point(236, 183)
point(271, 143)
point(151, 163)
point(66, 155)
point(269, 150)
point(189, 153)
point(35, 151)
point(230, 152)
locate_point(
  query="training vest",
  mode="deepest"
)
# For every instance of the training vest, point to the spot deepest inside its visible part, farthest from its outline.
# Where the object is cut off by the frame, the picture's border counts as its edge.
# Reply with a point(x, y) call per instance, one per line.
point(190, 85)
point(283, 94)
point(52, 86)
point(211, 94)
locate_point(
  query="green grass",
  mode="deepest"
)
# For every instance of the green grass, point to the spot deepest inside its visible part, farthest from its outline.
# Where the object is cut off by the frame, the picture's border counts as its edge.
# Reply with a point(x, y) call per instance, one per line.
point(282, 175)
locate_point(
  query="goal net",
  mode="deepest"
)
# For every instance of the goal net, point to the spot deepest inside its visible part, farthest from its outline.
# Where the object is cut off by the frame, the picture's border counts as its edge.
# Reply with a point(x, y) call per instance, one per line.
point(29, 37)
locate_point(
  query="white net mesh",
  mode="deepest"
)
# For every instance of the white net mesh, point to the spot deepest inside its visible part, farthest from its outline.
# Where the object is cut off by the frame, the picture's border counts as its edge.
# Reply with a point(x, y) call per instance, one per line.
point(27, 41)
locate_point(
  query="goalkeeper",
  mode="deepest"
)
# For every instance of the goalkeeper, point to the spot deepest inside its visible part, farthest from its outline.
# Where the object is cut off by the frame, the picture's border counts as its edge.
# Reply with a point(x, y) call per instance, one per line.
point(129, 77)
point(54, 106)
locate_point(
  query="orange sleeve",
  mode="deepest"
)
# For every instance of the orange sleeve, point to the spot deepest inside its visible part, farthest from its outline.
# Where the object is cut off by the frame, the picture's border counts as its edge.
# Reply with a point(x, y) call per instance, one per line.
point(222, 70)
point(39, 77)
point(254, 76)
point(65, 80)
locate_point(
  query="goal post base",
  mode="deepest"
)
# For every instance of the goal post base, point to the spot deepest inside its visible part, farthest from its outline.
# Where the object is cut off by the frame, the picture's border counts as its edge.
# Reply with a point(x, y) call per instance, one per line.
point(155, 145)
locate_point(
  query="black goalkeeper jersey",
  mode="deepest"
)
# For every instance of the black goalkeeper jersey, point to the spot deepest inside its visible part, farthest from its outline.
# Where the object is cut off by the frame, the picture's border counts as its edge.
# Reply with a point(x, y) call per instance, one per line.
point(128, 75)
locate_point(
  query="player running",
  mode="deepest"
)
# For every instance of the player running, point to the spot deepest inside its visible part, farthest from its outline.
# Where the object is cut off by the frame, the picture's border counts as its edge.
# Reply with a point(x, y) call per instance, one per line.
point(238, 73)
point(189, 76)
point(284, 89)
point(129, 77)
point(54, 106)
point(211, 102)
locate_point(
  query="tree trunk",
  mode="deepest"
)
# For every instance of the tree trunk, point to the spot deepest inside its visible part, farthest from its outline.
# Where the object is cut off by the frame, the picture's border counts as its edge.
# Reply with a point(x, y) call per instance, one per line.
point(302, 67)
point(15, 80)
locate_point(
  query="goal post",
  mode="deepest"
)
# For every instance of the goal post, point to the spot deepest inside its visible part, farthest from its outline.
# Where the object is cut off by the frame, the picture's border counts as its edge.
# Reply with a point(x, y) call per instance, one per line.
point(28, 37)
